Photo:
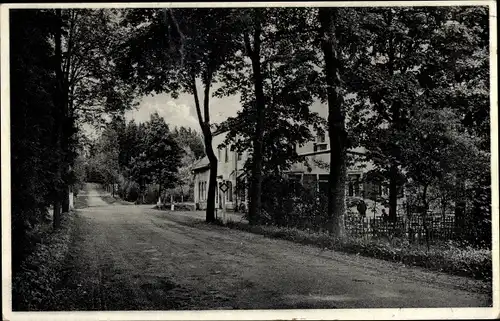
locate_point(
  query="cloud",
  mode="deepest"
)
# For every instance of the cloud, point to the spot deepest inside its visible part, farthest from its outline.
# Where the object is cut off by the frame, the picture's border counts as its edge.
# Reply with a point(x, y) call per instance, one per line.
point(175, 112)
point(181, 111)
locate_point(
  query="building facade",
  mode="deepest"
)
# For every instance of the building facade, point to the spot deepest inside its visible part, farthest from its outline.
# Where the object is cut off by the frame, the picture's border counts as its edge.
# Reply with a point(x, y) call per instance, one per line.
point(360, 185)
point(229, 173)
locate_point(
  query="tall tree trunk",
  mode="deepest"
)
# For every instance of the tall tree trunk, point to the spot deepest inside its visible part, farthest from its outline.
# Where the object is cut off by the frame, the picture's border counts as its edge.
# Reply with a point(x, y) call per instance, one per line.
point(255, 200)
point(336, 124)
point(393, 192)
point(395, 127)
point(59, 117)
point(460, 206)
point(207, 139)
point(426, 208)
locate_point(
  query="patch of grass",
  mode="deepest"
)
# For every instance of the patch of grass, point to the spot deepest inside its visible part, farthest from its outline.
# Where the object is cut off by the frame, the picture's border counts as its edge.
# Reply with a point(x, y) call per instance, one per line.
point(177, 207)
point(448, 257)
point(33, 287)
point(114, 200)
point(81, 201)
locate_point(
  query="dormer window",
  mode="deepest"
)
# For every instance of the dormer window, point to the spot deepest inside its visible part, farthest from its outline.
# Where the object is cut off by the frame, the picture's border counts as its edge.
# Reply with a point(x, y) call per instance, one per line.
point(320, 143)
point(320, 138)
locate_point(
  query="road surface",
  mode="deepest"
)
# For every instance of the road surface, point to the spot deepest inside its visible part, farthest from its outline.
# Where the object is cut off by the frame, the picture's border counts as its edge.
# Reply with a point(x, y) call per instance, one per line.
point(129, 257)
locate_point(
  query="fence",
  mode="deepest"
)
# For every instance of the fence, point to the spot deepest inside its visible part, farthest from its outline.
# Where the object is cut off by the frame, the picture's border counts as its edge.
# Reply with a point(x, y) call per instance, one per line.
point(415, 228)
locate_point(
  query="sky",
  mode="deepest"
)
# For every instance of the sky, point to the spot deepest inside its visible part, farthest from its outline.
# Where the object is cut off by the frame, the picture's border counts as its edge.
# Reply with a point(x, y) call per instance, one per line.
point(182, 112)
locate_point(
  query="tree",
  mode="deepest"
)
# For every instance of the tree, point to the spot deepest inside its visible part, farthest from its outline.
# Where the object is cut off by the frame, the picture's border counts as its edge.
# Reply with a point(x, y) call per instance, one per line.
point(417, 61)
point(170, 49)
point(336, 123)
point(385, 82)
point(34, 154)
point(280, 59)
point(103, 165)
point(162, 154)
point(87, 87)
point(188, 138)
point(185, 179)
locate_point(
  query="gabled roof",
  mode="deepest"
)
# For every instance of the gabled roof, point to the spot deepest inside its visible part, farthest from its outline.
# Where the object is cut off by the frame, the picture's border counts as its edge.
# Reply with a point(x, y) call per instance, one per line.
point(201, 164)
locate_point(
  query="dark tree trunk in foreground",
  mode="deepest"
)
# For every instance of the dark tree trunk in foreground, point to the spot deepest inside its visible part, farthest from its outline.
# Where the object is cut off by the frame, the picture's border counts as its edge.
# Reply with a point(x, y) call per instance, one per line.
point(58, 102)
point(207, 138)
point(336, 126)
point(393, 192)
point(255, 200)
point(395, 126)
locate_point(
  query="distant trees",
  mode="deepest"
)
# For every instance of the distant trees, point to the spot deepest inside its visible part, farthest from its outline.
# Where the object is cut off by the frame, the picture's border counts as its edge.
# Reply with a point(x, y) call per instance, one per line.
point(172, 51)
point(86, 86)
point(189, 138)
point(145, 154)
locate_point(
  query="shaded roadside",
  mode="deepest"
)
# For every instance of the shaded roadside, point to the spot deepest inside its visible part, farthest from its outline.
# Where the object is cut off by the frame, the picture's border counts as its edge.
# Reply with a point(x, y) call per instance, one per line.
point(468, 262)
point(34, 286)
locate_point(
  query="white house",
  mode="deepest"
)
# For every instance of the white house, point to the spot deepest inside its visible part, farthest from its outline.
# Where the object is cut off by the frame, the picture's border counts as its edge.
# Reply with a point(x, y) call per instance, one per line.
point(229, 172)
point(229, 169)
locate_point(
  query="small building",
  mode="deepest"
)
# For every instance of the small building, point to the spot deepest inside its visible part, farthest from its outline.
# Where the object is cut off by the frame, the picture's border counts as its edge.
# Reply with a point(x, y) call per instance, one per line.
point(229, 172)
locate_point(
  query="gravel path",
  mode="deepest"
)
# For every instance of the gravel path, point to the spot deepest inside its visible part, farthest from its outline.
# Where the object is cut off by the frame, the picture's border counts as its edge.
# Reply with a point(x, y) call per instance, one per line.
point(128, 257)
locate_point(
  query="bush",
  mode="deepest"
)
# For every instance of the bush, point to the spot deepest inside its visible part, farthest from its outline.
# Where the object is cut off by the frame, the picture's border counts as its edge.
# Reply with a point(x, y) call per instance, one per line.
point(288, 203)
point(33, 287)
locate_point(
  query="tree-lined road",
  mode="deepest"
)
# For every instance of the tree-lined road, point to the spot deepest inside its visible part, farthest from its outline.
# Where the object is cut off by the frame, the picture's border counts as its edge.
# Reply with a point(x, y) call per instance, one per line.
point(127, 257)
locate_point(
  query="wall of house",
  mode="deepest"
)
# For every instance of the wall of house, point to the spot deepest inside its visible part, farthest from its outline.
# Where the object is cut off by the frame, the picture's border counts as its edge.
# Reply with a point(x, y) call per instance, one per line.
point(316, 169)
point(229, 168)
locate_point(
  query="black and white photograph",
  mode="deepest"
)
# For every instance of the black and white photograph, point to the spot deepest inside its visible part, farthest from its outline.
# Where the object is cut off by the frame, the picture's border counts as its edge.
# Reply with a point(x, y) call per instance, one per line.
point(330, 160)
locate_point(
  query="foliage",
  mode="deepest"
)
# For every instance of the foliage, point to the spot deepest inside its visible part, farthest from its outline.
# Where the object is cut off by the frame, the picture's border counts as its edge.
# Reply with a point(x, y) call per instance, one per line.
point(134, 156)
point(289, 203)
point(289, 81)
point(185, 184)
point(169, 50)
point(33, 151)
point(34, 286)
point(188, 138)
point(161, 157)
point(90, 39)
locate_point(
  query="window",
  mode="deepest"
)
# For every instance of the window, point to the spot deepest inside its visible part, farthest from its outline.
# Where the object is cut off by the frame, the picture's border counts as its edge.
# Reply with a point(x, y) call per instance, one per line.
point(320, 138)
point(216, 192)
point(218, 154)
point(351, 188)
point(229, 195)
point(199, 191)
point(241, 189)
point(319, 147)
point(226, 157)
point(320, 143)
point(400, 192)
point(354, 184)
point(239, 156)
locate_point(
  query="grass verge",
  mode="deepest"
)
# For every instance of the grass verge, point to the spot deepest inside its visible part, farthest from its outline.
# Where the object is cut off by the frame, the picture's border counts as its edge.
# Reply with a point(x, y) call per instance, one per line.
point(114, 200)
point(33, 287)
point(448, 258)
point(177, 207)
point(81, 201)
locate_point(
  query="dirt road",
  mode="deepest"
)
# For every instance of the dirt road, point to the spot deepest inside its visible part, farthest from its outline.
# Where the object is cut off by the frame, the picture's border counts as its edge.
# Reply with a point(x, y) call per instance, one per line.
point(128, 257)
